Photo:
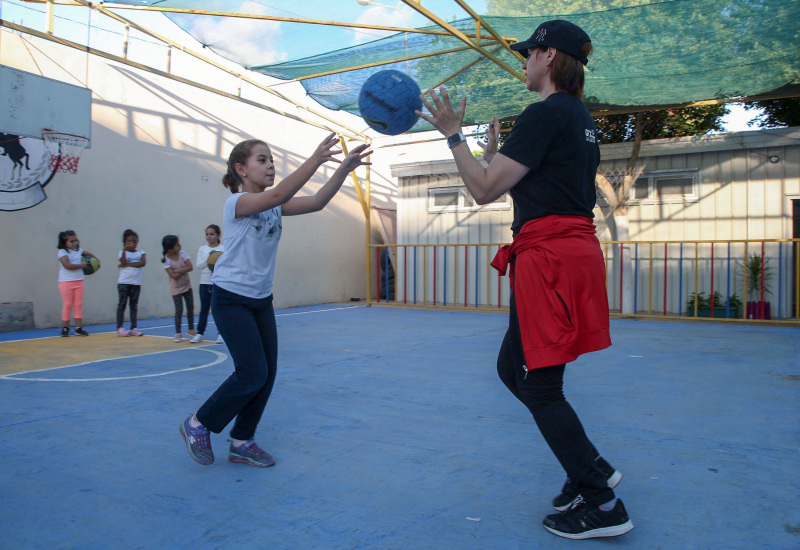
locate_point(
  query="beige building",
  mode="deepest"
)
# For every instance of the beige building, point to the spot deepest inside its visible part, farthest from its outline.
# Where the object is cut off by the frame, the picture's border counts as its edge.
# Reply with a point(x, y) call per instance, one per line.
point(722, 187)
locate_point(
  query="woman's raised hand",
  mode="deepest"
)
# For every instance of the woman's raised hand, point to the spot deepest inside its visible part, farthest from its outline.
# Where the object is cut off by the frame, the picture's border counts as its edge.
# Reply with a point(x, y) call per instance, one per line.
point(492, 135)
point(443, 117)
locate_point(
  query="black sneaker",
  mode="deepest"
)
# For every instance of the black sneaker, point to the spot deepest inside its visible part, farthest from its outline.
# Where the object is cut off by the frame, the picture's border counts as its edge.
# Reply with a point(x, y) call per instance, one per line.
point(584, 521)
point(65, 331)
point(80, 332)
point(570, 490)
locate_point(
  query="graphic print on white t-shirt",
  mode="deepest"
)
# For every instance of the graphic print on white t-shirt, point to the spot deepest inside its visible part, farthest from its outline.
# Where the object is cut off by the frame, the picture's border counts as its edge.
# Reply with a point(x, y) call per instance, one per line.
point(266, 226)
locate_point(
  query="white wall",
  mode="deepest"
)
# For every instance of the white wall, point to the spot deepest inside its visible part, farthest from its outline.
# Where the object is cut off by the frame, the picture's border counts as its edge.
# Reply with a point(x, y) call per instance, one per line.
point(157, 156)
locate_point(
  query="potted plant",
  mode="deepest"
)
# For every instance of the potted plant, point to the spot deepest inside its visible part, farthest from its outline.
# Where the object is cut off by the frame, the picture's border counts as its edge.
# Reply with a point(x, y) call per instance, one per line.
point(720, 306)
point(758, 273)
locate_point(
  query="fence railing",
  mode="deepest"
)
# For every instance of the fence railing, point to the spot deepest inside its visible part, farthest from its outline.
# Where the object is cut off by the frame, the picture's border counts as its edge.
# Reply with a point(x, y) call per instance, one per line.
point(731, 280)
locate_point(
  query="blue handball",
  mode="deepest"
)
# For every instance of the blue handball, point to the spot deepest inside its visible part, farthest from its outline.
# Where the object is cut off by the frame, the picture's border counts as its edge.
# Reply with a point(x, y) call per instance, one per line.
point(387, 102)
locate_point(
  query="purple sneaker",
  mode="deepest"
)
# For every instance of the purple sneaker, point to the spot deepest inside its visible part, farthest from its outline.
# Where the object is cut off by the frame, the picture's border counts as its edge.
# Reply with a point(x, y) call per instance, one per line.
point(198, 442)
point(251, 454)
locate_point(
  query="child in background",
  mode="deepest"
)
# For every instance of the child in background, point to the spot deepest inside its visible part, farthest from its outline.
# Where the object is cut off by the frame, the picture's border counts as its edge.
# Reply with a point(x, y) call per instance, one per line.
point(131, 262)
point(70, 280)
point(177, 265)
point(213, 234)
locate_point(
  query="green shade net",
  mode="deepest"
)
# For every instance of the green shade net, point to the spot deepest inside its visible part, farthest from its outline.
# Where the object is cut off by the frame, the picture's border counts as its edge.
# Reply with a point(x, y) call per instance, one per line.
point(645, 56)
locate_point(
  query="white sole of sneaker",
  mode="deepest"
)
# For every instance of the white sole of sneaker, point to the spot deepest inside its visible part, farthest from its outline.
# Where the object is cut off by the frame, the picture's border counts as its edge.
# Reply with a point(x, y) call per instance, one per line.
point(243, 460)
point(613, 531)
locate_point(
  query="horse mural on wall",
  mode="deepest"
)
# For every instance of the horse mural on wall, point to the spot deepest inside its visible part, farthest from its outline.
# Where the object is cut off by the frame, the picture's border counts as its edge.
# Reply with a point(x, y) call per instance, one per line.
point(24, 172)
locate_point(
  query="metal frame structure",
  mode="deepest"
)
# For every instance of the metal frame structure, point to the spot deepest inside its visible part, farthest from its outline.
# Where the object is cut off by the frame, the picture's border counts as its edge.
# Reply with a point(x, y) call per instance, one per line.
point(485, 41)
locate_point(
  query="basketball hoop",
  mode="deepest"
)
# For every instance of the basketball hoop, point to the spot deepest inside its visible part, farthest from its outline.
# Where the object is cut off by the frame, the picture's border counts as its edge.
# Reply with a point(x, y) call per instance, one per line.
point(65, 150)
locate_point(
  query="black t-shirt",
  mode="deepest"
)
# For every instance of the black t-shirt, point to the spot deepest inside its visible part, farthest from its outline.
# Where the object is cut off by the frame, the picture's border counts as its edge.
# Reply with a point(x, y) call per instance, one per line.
point(556, 139)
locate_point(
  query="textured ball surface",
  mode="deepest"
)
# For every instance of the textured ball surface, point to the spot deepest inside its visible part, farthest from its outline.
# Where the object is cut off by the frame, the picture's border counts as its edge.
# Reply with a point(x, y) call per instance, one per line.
point(387, 102)
point(212, 259)
point(92, 264)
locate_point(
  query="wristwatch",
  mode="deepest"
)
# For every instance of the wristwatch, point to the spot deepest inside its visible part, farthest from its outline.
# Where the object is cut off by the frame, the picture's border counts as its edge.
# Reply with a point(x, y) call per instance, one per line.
point(455, 140)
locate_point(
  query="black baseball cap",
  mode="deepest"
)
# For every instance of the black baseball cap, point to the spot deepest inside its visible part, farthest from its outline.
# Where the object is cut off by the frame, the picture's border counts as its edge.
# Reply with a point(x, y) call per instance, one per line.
point(559, 34)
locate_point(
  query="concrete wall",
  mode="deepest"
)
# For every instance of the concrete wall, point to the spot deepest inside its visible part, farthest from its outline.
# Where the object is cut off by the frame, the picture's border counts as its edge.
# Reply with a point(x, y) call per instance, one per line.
point(157, 155)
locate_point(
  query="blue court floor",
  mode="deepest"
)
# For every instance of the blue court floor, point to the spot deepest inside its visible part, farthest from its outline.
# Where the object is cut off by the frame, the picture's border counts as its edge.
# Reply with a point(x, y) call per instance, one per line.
point(391, 431)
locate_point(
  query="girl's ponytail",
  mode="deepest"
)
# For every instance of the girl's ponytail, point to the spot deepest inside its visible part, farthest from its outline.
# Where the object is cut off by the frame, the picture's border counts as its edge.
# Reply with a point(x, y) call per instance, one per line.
point(167, 244)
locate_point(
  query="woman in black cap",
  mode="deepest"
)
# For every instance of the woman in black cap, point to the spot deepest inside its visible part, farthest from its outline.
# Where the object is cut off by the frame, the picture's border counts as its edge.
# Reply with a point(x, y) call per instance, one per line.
point(559, 306)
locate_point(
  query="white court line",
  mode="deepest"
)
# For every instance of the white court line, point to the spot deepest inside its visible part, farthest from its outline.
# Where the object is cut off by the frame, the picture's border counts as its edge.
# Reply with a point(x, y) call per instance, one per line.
point(220, 358)
point(210, 322)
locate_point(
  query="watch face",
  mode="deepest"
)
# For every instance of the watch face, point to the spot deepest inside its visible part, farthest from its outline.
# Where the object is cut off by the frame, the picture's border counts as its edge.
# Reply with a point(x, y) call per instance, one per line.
point(454, 140)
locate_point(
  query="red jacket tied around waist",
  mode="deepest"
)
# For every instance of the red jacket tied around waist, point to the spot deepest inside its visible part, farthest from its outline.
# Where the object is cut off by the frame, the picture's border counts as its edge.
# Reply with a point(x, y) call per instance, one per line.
point(559, 283)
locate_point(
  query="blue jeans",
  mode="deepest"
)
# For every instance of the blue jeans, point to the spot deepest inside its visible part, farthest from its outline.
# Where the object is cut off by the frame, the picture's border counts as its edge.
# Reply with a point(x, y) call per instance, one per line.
point(249, 329)
point(205, 306)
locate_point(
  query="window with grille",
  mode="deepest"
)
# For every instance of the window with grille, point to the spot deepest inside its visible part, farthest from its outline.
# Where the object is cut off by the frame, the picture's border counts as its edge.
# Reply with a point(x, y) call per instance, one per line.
point(660, 187)
point(458, 199)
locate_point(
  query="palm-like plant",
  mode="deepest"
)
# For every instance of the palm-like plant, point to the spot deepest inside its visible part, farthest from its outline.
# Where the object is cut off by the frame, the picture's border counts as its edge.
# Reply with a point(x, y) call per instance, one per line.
point(754, 270)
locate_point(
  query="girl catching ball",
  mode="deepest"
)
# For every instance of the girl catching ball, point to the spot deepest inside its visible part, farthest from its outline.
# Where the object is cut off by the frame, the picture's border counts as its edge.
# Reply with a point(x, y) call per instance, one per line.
point(241, 297)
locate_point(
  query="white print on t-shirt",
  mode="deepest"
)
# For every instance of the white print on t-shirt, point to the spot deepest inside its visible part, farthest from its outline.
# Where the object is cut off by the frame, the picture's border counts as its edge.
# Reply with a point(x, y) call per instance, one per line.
point(590, 137)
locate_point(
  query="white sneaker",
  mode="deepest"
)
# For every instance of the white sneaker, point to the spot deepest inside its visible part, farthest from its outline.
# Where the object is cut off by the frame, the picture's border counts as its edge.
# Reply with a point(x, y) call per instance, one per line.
point(220, 340)
point(197, 339)
point(177, 337)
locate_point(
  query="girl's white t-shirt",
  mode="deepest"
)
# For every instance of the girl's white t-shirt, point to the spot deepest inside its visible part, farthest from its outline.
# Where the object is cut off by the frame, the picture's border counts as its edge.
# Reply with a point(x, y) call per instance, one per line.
point(131, 275)
point(202, 258)
point(247, 267)
point(74, 257)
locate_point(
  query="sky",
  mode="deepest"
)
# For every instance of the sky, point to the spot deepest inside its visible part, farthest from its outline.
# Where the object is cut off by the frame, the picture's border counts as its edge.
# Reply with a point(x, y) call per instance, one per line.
point(278, 41)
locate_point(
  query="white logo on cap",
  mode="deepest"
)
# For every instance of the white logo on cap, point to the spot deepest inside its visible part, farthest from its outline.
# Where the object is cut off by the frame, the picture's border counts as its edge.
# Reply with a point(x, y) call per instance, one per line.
point(541, 34)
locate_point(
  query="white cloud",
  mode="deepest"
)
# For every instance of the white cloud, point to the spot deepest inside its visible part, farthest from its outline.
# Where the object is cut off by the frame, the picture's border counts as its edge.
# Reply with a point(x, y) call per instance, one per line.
point(248, 41)
point(377, 15)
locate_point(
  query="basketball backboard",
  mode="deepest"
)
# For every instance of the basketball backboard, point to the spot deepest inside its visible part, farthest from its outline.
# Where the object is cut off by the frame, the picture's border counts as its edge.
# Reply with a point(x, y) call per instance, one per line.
point(29, 103)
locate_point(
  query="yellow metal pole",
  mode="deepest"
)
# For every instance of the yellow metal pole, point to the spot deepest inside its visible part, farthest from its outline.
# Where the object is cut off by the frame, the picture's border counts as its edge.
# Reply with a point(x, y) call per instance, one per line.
point(287, 19)
point(465, 68)
point(215, 64)
point(696, 276)
point(146, 68)
point(415, 5)
point(455, 274)
point(650, 294)
point(396, 261)
point(384, 62)
point(49, 17)
point(488, 276)
point(797, 282)
point(744, 281)
point(425, 274)
point(368, 226)
point(356, 183)
point(480, 22)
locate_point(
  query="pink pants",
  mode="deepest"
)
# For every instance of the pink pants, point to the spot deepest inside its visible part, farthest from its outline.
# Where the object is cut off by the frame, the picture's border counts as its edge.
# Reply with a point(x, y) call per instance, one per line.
point(71, 296)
